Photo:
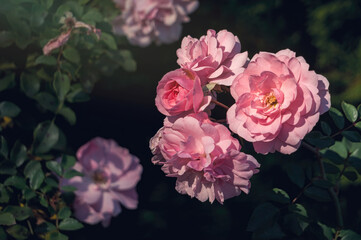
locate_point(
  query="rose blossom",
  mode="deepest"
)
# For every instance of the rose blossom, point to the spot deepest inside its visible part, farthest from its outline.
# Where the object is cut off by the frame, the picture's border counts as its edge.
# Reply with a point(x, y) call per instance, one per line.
point(180, 92)
point(216, 57)
point(204, 157)
point(278, 101)
point(144, 21)
point(111, 174)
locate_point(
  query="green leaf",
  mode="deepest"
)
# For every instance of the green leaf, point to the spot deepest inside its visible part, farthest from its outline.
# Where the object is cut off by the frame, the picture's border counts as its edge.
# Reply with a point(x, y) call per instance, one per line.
point(46, 135)
point(34, 172)
point(28, 193)
point(350, 111)
point(77, 94)
point(67, 161)
point(295, 224)
point(16, 181)
point(55, 167)
point(20, 213)
point(72, 173)
point(298, 209)
point(330, 168)
point(2, 234)
point(29, 84)
point(278, 195)
point(64, 213)
point(349, 235)
point(263, 214)
point(18, 154)
point(4, 195)
point(109, 41)
point(355, 160)
point(45, 227)
point(6, 39)
point(4, 150)
point(57, 236)
point(46, 60)
point(9, 109)
point(70, 224)
point(296, 174)
point(7, 81)
point(61, 85)
point(19, 232)
point(326, 128)
point(337, 117)
point(51, 182)
point(337, 153)
point(92, 16)
point(318, 194)
point(71, 54)
point(351, 175)
point(317, 139)
point(43, 202)
point(47, 101)
point(128, 62)
point(7, 219)
point(68, 114)
point(7, 168)
point(353, 136)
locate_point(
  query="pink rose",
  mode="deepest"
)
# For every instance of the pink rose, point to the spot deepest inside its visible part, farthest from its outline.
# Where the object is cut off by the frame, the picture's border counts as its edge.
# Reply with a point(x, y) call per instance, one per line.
point(216, 58)
point(278, 101)
point(144, 21)
point(204, 158)
point(180, 92)
point(111, 174)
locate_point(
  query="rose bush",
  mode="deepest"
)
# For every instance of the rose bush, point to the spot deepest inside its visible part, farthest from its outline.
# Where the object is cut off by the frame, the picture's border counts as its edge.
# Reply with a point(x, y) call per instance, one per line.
point(278, 101)
point(111, 174)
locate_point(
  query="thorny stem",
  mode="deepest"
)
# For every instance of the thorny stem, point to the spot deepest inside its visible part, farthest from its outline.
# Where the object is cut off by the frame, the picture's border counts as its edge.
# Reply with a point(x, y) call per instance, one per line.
point(219, 104)
point(344, 129)
point(302, 191)
point(30, 227)
point(331, 190)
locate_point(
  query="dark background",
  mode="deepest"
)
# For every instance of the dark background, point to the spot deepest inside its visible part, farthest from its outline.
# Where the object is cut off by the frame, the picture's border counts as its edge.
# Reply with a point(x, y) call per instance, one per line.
point(122, 108)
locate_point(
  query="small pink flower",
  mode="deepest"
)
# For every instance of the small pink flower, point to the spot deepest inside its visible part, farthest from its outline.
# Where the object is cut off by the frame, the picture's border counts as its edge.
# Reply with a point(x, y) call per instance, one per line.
point(216, 57)
point(111, 174)
point(144, 21)
point(278, 101)
point(204, 158)
point(180, 92)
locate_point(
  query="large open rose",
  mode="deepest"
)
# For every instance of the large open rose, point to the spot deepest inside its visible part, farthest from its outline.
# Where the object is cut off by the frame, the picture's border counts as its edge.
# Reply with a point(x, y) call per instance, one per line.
point(111, 174)
point(278, 101)
point(204, 158)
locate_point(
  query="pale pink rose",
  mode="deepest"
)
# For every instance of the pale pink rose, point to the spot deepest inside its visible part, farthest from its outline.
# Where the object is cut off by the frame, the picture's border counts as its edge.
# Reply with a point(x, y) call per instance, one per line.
point(144, 21)
point(180, 92)
point(111, 174)
point(204, 157)
point(216, 57)
point(278, 101)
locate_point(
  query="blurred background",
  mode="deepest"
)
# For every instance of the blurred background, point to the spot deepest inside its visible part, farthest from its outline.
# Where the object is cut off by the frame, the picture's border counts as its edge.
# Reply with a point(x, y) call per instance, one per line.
point(326, 33)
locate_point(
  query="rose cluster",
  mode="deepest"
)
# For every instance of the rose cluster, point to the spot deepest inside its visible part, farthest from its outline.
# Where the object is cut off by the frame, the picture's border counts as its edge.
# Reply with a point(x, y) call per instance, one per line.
point(278, 100)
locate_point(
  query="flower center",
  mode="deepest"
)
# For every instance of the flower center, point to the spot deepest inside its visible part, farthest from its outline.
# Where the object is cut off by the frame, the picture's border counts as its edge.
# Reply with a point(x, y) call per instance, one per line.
point(271, 100)
point(100, 177)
